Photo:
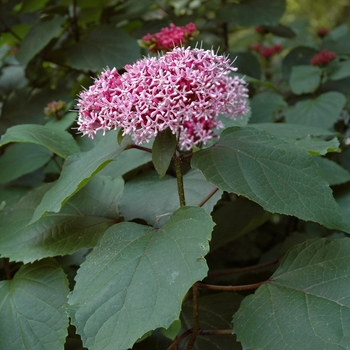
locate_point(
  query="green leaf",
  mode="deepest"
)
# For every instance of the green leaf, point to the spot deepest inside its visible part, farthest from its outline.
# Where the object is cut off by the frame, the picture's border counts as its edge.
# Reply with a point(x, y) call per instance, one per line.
point(64, 123)
point(323, 111)
point(173, 330)
point(280, 30)
point(58, 141)
point(300, 55)
point(107, 46)
point(33, 308)
point(77, 172)
point(305, 79)
point(242, 14)
point(22, 159)
point(153, 199)
point(11, 78)
point(37, 38)
point(292, 131)
point(332, 172)
point(149, 272)
point(80, 223)
point(341, 70)
point(32, 5)
point(247, 64)
point(280, 177)
point(163, 150)
point(266, 107)
point(128, 160)
point(317, 146)
point(215, 313)
point(312, 287)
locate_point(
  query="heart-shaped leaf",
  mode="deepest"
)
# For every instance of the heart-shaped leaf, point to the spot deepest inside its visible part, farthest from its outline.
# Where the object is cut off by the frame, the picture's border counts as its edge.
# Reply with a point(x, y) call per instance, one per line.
point(304, 305)
point(149, 271)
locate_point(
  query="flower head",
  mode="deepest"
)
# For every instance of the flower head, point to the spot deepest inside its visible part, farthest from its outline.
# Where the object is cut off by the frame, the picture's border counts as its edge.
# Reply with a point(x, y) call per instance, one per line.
point(55, 109)
point(322, 32)
point(323, 58)
point(168, 38)
point(184, 90)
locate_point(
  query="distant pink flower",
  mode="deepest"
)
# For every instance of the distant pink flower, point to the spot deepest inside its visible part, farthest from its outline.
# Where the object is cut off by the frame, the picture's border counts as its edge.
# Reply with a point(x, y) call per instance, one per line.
point(266, 51)
point(277, 47)
point(322, 58)
point(168, 38)
point(55, 109)
point(322, 32)
point(257, 47)
point(184, 90)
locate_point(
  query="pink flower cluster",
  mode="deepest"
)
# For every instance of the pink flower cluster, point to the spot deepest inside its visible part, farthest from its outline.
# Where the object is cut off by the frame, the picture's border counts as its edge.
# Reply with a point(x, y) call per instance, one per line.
point(267, 51)
point(168, 38)
point(322, 58)
point(184, 90)
point(322, 32)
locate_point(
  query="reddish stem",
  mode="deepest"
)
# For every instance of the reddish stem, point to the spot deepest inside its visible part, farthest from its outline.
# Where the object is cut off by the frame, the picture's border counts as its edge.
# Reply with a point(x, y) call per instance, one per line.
point(230, 288)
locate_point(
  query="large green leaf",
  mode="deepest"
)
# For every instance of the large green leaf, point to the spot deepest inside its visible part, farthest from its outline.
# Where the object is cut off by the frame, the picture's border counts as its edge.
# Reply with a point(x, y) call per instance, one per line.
point(129, 160)
point(149, 271)
point(37, 38)
point(20, 159)
point(57, 141)
point(280, 177)
point(153, 199)
point(305, 79)
point(107, 46)
point(292, 131)
point(33, 308)
point(80, 223)
point(77, 171)
point(242, 13)
point(322, 112)
point(266, 107)
point(304, 305)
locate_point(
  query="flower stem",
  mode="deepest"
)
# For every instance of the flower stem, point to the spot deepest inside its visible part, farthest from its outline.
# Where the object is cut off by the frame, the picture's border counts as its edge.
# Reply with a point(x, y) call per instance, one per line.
point(179, 178)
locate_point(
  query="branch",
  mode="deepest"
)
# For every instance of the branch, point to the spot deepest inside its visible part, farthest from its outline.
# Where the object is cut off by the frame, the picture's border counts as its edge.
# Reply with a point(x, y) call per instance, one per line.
point(178, 339)
point(230, 288)
point(141, 148)
point(196, 329)
point(211, 194)
point(215, 332)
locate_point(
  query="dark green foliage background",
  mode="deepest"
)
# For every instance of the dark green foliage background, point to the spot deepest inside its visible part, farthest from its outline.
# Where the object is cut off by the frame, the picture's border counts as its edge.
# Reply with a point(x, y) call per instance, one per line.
point(95, 251)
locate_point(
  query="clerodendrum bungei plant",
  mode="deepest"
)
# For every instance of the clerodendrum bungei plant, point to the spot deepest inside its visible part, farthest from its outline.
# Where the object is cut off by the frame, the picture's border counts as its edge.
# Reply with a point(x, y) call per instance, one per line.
point(158, 210)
